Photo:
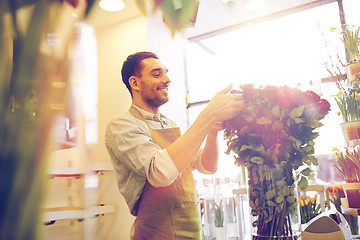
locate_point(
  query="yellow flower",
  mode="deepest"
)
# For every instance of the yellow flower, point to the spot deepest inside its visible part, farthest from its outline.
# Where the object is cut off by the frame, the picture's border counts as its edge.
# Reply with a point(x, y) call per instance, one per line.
point(301, 202)
point(307, 200)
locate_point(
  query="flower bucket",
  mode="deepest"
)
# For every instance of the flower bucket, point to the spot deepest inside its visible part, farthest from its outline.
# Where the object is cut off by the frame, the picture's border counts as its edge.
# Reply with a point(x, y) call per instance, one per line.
point(351, 130)
point(273, 201)
point(352, 194)
point(352, 69)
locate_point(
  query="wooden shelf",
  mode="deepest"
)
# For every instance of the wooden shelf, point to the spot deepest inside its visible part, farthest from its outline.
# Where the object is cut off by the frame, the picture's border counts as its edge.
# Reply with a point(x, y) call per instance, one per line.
point(313, 187)
point(351, 211)
point(67, 213)
point(240, 191)
point(352, 143)
point(66, 172)
point(102, 166)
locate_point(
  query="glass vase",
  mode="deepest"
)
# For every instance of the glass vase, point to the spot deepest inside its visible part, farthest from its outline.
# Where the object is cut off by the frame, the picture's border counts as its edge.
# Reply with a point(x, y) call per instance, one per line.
point(273, 202)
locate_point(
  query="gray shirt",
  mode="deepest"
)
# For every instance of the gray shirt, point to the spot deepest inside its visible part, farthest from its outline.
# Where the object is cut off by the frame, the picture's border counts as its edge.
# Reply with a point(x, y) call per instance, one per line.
point(136, 158)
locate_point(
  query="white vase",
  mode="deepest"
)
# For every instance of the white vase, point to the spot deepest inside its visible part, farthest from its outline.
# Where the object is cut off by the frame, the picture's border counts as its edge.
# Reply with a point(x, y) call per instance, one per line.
point(220, 233)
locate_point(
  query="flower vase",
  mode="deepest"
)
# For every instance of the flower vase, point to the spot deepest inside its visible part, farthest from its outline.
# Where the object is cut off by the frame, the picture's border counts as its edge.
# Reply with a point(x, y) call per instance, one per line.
point(353, 68)
point(273, 202)
point(352, 194)
point(220, 233)
point(351, 130)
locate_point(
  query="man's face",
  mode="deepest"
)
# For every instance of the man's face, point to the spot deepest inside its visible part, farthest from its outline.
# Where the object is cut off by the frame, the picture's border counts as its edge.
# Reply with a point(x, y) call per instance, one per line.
point(154, 82)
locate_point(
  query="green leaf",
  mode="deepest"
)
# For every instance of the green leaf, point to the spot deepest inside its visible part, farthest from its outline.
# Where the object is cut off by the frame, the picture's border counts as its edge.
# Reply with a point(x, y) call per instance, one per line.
point(313, 160)
point(291, 199)
point(252, 205)
point(314, 123)
point(306, 172)
point(303, 183)
point(298, 120)
point(245, 147)
point(263, 121)
point(276, 111)
point(286, 190)
point(297, 112)
point(277, 125)
point(279, 199)
point(269, 194)
point(257, 160)
point(270, 203)
point(280, 183)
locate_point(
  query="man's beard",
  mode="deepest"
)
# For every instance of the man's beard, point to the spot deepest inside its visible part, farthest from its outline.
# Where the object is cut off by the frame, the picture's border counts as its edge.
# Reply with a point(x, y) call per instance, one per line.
point(156, 102)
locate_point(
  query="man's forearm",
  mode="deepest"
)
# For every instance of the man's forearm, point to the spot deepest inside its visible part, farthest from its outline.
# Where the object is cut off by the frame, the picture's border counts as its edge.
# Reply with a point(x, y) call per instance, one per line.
point(184, 149)
point(210, 153)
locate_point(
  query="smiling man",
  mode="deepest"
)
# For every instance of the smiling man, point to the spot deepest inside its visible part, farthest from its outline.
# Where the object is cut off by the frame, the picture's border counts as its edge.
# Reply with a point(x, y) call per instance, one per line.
point(153, 162)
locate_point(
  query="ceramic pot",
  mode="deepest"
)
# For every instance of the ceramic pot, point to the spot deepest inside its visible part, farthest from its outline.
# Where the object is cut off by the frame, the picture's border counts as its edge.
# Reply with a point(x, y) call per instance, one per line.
point(352, 194)
point(351, 130)
point(353, 68)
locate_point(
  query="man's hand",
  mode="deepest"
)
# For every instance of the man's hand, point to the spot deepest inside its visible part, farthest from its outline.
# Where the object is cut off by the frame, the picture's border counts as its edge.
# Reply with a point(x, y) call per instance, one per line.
point(224, 106)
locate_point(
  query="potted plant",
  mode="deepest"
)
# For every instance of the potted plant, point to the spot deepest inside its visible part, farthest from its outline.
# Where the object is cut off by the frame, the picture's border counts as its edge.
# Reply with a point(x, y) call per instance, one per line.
point(349, 166)
point(309, 208)
point(219, 220)
point(350, 38)
point(335, 194)
point(273, 137)
point(348, 101)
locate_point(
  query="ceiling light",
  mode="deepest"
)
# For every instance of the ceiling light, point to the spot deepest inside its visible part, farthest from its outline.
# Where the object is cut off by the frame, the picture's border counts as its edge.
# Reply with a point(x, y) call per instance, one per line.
point(112, 5)
point(255, 4)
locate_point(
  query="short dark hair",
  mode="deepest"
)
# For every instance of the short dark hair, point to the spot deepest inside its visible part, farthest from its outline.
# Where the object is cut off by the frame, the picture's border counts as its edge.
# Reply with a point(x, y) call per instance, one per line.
point(132, 66)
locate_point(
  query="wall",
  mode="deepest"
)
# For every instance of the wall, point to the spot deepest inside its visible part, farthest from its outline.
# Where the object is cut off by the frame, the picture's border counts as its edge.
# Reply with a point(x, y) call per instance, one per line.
point(115, 43)
point(170, 52)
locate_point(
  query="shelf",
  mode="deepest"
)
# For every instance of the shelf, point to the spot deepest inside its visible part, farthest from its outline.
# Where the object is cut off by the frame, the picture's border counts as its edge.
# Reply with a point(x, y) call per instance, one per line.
point(313, 187)
point(351, 211)
point(240, 191)
point(67, 213)
point(66, 172)
point(102, 166)
point(352, 143)
point(78, 172)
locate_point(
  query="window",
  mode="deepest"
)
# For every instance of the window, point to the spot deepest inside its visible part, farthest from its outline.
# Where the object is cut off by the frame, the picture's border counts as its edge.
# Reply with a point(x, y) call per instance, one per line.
point(287, 50)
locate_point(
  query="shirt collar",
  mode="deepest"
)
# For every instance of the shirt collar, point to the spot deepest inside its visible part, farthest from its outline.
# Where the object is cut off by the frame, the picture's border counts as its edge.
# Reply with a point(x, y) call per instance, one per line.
point(147, 115)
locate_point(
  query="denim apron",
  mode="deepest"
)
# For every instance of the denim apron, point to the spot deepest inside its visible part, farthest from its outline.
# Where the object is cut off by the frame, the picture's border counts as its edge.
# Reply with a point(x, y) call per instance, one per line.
point(172, 212)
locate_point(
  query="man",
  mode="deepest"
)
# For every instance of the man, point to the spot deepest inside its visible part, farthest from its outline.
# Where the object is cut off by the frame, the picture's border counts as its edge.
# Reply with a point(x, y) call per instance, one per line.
point(153, 162)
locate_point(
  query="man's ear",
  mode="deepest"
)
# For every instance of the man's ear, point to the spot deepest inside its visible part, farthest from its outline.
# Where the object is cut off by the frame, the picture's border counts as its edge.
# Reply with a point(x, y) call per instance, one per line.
point(134, 83)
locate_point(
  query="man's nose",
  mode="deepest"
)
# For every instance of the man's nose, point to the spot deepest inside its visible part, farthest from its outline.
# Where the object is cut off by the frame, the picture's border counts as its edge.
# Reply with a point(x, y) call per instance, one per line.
point(166, 79)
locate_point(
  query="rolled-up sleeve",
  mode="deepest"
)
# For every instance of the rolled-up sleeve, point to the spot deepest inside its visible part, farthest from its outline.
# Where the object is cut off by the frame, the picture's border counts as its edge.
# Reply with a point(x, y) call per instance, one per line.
point(132, 147)
point(197, 164)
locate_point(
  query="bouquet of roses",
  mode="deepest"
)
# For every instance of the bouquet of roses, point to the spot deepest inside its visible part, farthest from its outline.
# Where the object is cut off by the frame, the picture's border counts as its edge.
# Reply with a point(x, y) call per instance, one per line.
point(272, 137)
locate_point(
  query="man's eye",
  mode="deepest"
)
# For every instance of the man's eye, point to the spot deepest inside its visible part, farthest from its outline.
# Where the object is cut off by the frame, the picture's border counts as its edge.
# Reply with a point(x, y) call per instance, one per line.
point(156, 74)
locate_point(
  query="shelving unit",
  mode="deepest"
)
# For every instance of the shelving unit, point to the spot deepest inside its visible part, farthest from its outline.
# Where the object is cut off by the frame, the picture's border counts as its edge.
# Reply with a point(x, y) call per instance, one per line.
point(67, 213)
point(73, 182)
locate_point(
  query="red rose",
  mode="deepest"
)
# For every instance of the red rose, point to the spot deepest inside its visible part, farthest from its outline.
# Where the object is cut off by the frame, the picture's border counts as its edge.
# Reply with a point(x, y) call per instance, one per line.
point(270, 92)
point(323, 106)
point(249, 92)
point(285, 98)
point(311, 97)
